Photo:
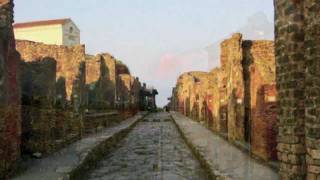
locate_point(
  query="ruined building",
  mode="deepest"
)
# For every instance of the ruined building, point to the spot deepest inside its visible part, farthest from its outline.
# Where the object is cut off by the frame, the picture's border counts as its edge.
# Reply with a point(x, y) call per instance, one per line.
point(70, 64)
point(148, 98)
point(50, 95)
point(237, 100)
point(101, 81)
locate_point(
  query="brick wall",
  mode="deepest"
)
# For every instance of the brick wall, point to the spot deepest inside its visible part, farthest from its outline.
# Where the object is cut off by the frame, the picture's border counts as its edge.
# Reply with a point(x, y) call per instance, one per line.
point(124, 90)
point(264, 123)
point(100, 79)
point(191, 93)
point(9, 92)
point(297, 52)
point(231, 61)
point(259, 73)
point(312, 93)
point(291, 68)
point(136, 88)
point(223, 104)
point(198, 104)
point(69, 61)
point(231, 99)
point(183, 88)
point(213, 101)
point(38, 86)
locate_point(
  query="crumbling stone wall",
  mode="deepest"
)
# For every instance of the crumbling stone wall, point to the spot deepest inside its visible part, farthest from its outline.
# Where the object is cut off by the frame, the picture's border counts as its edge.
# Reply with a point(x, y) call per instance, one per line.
point(264, 123)
point(191, 95)
point(173, 100)
point(291, 88)
point(100, 77)
point(259, 73)
point(70, 62)
point(136, 89)
point(223, 108)
point(9, 92)
point(124, 90)
point(183, 90)
point(297, 52)
point(231, 64)
point(112, 77)
point(312, 93)
point(236, 100)
point(53, 127)
point(213, 101)
point(198, 93)
point(38, 86)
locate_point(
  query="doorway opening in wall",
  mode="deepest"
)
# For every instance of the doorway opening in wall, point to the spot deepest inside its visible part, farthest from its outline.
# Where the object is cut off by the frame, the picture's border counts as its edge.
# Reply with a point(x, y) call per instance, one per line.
point(247, 125)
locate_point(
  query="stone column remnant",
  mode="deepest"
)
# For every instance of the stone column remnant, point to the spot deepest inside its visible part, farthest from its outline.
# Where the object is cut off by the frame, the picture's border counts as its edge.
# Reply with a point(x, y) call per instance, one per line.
point(10, 127)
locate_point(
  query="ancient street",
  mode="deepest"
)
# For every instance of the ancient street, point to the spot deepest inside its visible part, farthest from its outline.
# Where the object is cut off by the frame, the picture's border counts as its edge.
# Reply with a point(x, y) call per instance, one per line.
point(160, 90)
point(154, 149)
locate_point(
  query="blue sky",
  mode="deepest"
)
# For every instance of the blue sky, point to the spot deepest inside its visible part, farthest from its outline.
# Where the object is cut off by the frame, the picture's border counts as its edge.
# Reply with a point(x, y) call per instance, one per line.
point(158, 39)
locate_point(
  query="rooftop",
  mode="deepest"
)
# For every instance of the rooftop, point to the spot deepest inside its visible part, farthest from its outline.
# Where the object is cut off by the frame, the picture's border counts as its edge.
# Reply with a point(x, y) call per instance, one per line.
point(41, 23)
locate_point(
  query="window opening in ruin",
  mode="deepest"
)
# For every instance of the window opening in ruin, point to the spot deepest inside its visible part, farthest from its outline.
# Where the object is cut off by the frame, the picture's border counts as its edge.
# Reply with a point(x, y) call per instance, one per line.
point(71, 30)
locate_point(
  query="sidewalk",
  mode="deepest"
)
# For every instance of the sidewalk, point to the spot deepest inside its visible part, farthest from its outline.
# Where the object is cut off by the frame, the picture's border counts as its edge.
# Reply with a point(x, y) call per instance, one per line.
point(77, 157)
point(222, 159)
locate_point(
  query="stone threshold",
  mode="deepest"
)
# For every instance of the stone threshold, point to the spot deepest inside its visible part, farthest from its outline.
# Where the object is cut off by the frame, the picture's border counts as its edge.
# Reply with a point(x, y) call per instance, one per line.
point(202, 148)
point(75, 160)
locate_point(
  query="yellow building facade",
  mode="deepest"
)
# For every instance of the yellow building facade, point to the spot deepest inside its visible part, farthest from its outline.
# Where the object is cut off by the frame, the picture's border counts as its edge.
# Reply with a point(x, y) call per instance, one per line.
point(58, 32)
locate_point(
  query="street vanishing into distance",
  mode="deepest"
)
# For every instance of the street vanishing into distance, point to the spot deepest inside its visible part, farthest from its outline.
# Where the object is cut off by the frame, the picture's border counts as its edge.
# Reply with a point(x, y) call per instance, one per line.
point(160, 90)
point(153, 149)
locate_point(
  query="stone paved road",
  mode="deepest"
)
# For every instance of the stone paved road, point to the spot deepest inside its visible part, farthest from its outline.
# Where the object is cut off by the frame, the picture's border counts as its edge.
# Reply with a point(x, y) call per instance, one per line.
point(152, 150)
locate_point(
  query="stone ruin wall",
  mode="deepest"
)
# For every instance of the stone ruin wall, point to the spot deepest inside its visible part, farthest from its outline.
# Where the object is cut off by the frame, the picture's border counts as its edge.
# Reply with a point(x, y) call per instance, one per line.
point(223, 103)
point(70, 61)
point(312, 103)
point(231, 61)
point(9, 92)
point(136, 88)
point(46, 122)
point(298, 72)
point(237, 100)
point(251, 65)
point(75, 74)
point(183, 90)
point(264, 123)
point(213, 101)
point(290, 82)
point(46, 85)
point(49, 124)
point(198, 95)
point(38, 85)
point(124, 89)
point(128, 94)
point(260, 106)
point(101, 81)
point(190, 98)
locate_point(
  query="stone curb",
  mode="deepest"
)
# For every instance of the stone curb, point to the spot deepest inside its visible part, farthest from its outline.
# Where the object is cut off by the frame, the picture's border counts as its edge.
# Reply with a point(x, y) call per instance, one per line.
point(92, 157)
point(74, 161)
point(204, 163)
point(208, 163)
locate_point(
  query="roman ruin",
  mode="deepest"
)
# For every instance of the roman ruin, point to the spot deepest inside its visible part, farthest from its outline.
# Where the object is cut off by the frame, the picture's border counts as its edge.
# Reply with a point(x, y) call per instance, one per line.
point(258, 112)
point(237, 100)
